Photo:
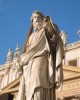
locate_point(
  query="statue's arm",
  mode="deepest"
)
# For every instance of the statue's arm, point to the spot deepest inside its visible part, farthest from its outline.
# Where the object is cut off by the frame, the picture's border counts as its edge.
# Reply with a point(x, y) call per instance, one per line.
point(52, 30)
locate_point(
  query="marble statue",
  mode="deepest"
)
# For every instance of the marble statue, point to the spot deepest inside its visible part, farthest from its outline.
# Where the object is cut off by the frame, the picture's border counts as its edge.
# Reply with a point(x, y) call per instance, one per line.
point(17, 52)
point(41, 60)
point(9, 56)
point(64, 37)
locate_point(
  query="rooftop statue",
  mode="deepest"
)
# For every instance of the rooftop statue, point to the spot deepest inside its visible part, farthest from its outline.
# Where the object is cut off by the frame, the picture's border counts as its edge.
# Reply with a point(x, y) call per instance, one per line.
point(9, 56)
point(64, 37)
point(17, 52)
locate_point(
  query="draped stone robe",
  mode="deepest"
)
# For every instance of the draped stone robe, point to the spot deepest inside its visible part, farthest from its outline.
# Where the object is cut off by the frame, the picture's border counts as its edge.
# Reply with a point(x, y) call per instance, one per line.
point(37, 79)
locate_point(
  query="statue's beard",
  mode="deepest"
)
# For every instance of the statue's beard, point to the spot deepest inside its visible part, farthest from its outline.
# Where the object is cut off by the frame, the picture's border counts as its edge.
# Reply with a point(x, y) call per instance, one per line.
point(37, 25)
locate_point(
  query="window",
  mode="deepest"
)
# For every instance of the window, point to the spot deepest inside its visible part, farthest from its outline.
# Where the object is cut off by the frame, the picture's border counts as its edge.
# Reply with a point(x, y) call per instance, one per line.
point(73, 62)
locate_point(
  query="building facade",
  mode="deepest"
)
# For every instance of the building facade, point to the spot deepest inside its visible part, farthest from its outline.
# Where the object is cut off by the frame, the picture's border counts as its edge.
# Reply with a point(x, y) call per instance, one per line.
point(10, 76)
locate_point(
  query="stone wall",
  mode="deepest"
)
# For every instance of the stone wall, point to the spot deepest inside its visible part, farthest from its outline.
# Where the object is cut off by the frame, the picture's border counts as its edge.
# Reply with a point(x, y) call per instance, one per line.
point(72, 52)
point(8, 73)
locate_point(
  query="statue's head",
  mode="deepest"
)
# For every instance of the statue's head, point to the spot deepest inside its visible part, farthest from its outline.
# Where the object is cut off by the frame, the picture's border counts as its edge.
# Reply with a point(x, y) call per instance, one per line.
point(37, 20)
point(38, 13)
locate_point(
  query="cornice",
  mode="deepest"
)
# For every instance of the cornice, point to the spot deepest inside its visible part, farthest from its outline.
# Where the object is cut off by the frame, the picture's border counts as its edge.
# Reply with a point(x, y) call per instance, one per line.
point(73, 45)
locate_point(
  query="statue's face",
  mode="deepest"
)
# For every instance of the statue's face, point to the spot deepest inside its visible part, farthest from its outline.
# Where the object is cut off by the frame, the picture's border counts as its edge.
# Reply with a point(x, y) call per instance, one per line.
point(36, 18)
point(37, 21)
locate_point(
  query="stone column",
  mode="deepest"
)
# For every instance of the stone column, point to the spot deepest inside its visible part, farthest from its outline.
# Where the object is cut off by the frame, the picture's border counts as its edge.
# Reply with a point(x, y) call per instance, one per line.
point(1, 78)
point(5, 77)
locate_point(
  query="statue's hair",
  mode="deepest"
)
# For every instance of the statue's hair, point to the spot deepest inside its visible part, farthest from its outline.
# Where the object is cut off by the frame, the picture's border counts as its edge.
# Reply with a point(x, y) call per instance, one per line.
point(31, 29)
point(39, 13)
point(29, 33)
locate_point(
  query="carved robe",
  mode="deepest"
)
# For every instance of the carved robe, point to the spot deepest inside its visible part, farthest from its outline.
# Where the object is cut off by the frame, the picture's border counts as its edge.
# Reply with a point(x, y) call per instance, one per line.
point(37, 80)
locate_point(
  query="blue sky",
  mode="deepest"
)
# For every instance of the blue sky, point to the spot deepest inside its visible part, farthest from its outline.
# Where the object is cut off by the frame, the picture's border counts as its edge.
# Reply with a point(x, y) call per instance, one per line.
point(15, 20)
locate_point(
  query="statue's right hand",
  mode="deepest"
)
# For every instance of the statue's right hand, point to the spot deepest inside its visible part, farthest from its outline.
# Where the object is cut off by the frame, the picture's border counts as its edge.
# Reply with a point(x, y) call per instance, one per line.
point(21, 63)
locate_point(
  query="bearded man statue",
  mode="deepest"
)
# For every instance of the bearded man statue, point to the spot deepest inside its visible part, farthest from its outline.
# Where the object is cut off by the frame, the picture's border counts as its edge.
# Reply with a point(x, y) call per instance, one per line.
point(41, 60)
